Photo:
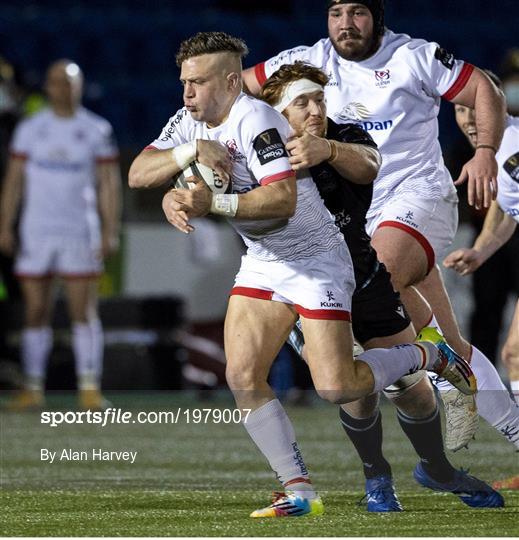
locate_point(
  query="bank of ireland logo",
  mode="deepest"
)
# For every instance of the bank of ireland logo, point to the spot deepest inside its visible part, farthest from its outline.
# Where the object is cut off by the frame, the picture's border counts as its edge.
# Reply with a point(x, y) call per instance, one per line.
point(358, 113)
point(355, 111)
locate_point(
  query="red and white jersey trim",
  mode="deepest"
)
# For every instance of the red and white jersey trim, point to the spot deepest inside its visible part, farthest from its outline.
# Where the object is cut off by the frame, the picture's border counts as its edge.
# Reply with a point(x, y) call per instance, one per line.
point(460, 83)
point(277, 177)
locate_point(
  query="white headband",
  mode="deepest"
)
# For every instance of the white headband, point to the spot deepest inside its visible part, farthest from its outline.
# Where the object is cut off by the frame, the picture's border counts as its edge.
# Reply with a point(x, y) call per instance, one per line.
point(296, 89)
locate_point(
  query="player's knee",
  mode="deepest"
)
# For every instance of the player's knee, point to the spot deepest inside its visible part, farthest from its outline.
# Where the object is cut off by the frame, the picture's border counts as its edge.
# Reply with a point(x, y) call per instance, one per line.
point(36, 314)
point(338, 393)
point(241, 378)
point(333, 395)
point(399, 278)
point(417, 400)
point(405, 387)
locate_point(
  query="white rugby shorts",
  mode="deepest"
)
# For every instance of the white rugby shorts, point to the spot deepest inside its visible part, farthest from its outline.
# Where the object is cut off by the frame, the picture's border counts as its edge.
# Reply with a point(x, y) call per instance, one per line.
point(319, 287)
point(70, 257)
point(432, 222)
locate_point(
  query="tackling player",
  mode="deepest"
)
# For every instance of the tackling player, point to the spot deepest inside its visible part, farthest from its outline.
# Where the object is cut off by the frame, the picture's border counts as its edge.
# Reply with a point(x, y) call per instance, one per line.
point(296, 264)
point(498, 227)
point(391, 85)
point(343, 162)
point(64, 167)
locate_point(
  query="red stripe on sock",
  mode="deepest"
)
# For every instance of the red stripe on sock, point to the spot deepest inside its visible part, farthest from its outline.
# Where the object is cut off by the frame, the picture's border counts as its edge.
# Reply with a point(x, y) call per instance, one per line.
point(298, 480)
point(424, 355)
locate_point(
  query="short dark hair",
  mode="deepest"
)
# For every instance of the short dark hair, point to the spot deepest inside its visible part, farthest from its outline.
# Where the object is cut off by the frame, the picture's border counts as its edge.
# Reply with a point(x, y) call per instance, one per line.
point(208, 43)
point(272, 90)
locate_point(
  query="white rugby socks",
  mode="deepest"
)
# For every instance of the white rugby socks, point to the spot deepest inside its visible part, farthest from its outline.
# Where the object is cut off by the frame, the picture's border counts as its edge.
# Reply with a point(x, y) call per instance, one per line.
point(388, 365)
point(272, 431)
point(87, 344)
point(35, 349)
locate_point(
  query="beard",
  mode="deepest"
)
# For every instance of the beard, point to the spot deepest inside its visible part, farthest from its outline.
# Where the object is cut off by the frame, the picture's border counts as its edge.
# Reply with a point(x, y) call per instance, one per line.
point(355, 48)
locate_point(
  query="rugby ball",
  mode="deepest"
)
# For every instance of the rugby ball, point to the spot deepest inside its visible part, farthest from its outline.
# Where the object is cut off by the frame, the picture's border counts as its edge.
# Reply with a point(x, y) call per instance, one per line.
point(215, 183)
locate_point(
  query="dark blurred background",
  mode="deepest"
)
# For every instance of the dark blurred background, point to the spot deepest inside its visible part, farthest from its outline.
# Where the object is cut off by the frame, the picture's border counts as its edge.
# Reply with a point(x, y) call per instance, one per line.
point(127, 47)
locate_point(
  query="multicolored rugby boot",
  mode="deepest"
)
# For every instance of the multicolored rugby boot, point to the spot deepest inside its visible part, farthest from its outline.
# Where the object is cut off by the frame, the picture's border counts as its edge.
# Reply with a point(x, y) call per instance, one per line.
point(380, 495)
point(472, 491)
point(286, 504)
point(450, 365)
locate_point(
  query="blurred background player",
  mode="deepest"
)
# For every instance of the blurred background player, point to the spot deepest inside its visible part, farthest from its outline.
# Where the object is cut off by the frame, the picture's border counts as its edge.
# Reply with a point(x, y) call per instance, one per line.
point(10, 112)
point(500, 223)
point(343, 161)
point(413, 214)
point(498, 279)
point(63, 171)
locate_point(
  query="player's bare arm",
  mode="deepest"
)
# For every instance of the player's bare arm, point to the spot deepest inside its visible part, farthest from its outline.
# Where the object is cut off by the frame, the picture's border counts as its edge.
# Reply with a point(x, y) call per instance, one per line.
point(273, 201)
point(489, 105)
point(109, 200)
point(153, 168)
point(357, 162)
point(250, 82)
point(10, 203)
point(497, 230)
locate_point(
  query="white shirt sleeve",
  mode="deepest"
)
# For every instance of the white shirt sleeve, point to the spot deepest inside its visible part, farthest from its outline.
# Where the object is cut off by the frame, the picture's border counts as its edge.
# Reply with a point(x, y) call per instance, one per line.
point(441, 74)
point(265, 69)
point(105, 148)
point(264, 134)
point(175, 132)
point(20, 146)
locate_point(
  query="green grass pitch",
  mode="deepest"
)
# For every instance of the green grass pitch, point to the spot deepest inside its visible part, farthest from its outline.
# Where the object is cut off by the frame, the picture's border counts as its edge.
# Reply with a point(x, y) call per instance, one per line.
point(205, 479)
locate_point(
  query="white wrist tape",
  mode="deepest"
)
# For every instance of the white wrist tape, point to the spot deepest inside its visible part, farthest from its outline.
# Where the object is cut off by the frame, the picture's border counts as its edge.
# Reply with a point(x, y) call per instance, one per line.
point(184, 154)
point(224, 205)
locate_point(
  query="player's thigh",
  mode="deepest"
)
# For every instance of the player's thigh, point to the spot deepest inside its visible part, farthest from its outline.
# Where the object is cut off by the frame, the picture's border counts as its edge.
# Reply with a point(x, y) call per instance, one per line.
point(255, 330)
point(38, 300)
point(378, 313)
point(328, 351)
point(407, 335)
point(402, 254)
point(410, 233)
point(81, 296)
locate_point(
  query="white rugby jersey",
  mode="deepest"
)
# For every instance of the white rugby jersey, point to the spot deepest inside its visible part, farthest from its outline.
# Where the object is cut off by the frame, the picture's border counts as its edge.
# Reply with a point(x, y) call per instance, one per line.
point(508, 175)
point(61, 153)
point(395, 95)
point(255, 136)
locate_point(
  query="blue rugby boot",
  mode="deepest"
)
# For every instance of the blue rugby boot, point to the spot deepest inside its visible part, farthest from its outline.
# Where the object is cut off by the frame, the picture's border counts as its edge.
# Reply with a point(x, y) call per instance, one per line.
point(381, 496)
point(472, 491)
